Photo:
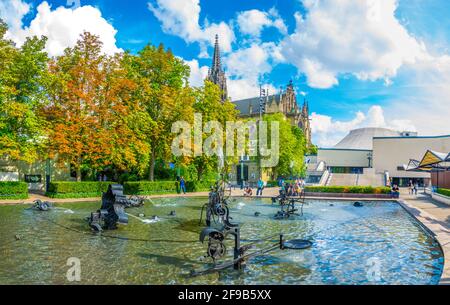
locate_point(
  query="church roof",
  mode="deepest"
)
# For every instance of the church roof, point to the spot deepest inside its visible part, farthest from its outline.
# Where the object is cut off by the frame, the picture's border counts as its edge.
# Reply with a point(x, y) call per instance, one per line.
point(244, 105)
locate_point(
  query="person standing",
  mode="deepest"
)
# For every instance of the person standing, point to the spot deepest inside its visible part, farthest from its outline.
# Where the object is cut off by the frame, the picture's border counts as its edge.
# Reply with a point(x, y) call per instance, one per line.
point(259, 192)
point(415, 188)
point(183, 185)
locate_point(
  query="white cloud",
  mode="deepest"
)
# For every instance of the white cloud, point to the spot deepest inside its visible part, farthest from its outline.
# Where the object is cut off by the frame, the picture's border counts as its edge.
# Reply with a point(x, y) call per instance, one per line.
point(62, 26)
point(252, 22)
point(327, 132)
point(246, 88)
point(246, 68)
point(182, 17)
point(427, 97)
point(12, 12)
point(198, 74)
point(249, 62)
point(362, 38)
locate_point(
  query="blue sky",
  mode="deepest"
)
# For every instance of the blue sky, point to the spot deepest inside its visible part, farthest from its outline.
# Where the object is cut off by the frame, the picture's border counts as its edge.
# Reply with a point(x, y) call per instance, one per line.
point(358, 63)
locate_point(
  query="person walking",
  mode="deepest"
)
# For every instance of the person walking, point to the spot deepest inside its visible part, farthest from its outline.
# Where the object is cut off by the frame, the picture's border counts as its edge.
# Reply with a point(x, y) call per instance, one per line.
point(183, 185)
point(416, 188)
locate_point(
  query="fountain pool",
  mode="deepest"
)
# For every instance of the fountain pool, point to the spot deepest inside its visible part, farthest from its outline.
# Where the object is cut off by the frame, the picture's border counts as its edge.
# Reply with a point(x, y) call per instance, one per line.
point(379, 243)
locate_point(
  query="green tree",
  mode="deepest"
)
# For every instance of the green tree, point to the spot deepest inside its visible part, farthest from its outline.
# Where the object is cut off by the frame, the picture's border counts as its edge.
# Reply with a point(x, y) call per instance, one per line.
point(209, 104)
point(164, 94)
point(292, 147)
point(23, 74)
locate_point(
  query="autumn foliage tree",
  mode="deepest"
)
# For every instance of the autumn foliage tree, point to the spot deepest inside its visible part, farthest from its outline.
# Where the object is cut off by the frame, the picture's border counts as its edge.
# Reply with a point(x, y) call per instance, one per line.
point(91, 109)
point(112, 113)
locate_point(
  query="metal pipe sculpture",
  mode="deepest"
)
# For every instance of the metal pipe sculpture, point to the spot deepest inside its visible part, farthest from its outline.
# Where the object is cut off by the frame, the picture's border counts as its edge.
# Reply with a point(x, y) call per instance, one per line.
point(42, 205)
point(218, 214)
point(112, 211)
point(287, 205)
point(217, 206)
point(223, 229)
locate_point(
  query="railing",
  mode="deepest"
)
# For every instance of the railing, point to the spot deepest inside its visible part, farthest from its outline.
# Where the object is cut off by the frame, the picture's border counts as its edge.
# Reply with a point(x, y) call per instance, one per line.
point(330, 177)
point(324, 178)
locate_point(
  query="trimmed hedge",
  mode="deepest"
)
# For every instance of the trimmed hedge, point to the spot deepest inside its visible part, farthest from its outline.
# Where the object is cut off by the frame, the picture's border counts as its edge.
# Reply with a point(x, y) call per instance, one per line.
point(95, 189)
point(13, 190)
point(274, 183)
point(77, 189)
point(199, 186)
point(445, 192)
point(348, 189)
point(164, 187)
point(150, 187)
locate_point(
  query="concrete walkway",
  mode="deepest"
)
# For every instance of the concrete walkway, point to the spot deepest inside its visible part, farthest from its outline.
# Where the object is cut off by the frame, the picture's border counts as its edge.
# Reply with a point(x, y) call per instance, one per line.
point(436, 217)
point(269, 192)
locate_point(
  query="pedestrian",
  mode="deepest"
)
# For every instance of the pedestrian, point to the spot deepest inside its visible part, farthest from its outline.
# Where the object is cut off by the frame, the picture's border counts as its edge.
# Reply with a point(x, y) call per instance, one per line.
point(248, 192)
point(259, 192)
point(182, 185)
point(416, 188)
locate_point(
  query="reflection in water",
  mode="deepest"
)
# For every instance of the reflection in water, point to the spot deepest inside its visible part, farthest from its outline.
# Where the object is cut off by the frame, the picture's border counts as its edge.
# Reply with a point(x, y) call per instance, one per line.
point(344, 239)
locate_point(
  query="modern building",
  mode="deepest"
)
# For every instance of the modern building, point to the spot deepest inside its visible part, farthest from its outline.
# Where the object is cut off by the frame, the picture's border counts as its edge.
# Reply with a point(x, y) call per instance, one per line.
point(391, 154)
point(374, 156)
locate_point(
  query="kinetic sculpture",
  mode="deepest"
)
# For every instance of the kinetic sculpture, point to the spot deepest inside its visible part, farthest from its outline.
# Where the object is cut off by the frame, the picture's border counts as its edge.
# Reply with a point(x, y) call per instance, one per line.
point(42, 205)
point(223, 229)
point(287, 205)
point(217, 206)
point(112, 211)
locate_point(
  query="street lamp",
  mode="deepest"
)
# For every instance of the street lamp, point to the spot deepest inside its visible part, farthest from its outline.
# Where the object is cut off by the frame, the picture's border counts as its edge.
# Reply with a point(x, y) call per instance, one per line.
point(370, 158)
point(48, 174)
point(263, 93)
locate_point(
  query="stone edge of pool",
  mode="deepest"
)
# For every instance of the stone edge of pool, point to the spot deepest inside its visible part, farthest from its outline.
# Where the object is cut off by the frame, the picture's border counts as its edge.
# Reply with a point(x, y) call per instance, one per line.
point(440, 233)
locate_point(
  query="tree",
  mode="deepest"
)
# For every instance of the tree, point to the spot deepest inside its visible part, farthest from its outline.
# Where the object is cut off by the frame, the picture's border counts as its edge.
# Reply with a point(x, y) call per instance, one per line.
point(95, 120)
point(23, 75)
point(164, 94)
point(209, 104)
point(292, 147)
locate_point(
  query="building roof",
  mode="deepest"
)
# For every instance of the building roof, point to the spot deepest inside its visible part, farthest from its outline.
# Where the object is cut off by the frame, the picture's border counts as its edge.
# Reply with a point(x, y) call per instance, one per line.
point(432, 160)
point(363, 138)
point(244, 105)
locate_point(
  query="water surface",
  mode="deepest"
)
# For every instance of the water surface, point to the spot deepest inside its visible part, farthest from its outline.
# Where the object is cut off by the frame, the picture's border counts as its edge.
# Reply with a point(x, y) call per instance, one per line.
point(379, 243)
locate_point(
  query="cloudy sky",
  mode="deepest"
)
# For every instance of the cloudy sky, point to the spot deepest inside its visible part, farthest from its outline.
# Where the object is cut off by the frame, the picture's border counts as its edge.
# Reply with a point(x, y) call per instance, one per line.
point(377, 63)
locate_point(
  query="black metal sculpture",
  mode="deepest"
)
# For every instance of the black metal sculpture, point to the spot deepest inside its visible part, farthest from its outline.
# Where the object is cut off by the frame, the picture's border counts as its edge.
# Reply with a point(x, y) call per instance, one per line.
point(112, 211)
point(217, 206)
point(223, 229)
point(287, 205)
point(42, 205)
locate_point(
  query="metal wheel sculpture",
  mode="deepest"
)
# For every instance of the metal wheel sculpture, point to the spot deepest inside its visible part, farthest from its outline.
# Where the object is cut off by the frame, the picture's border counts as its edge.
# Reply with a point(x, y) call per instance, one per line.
point(217, 207)
point(223, 229)
point(287, 205)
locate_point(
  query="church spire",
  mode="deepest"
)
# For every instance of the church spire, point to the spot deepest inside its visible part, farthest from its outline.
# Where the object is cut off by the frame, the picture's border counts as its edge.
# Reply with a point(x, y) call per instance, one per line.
point(216, 73)
point(216, 59)
point(306, 107)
